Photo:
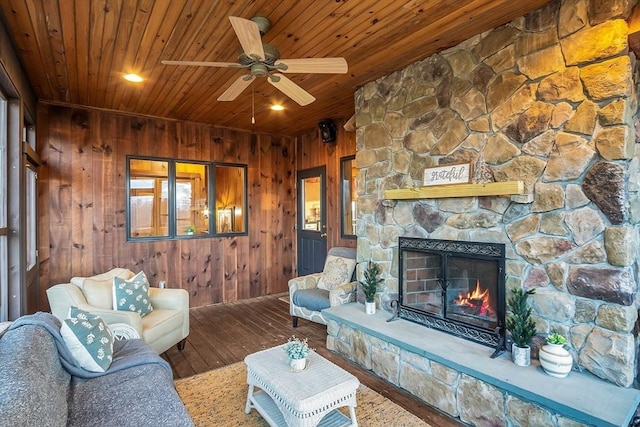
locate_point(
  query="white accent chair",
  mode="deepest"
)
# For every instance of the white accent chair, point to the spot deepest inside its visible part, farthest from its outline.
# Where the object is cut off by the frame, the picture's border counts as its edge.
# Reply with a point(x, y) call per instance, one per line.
point(310, 294)
point(166, 326)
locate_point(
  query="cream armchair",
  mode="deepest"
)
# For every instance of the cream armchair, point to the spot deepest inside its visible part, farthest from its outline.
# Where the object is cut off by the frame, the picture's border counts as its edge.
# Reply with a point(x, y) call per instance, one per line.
point(310, 294)
point(166, 326)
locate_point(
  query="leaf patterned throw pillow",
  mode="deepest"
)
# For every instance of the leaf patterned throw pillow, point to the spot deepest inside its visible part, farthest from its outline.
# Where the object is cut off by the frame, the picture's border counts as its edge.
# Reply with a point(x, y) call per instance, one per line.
point(89, 340)
point(132, 294)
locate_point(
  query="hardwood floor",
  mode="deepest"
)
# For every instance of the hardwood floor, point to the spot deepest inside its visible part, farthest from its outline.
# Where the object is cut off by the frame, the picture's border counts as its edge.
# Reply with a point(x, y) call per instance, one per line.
point(223, 334)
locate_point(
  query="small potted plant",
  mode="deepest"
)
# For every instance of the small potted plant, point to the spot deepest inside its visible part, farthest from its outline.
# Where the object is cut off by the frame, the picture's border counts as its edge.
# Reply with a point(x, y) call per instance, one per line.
point(554, 358)
point(370, 286)
point(190, 229)
point(556, 339)
point(521, 326)
point(297, 351)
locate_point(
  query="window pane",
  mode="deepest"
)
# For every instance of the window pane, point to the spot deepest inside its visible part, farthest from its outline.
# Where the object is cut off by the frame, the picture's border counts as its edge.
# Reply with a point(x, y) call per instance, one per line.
point(32, 217)
point(230, 184)
point(148, 198)
point(170, 198)
point(29, 135)
point(348, 179)
point(3, 162)
point(192, 199)
point(4, 257)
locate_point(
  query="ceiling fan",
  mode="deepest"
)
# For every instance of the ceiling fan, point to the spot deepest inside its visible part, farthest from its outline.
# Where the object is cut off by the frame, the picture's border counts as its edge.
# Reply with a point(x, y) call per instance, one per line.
point(263, 60)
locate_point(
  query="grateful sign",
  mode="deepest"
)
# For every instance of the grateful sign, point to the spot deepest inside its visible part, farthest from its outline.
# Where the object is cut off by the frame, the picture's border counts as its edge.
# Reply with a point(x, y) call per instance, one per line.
point(459, 173)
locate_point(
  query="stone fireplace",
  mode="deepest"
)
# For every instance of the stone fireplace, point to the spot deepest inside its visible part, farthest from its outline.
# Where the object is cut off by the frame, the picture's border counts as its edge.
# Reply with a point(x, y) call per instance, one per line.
point(549, 100)
point(455, 287)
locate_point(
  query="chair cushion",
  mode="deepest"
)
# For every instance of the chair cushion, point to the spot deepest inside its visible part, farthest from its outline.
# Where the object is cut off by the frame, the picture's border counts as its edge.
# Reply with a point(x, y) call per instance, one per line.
point(89, 340)
point(124, 273)
point(337, 271)
point(312, 299)
point(132, 294)
point(99, 293)
point(98, 289)
point(343, 252)
point(161, 322)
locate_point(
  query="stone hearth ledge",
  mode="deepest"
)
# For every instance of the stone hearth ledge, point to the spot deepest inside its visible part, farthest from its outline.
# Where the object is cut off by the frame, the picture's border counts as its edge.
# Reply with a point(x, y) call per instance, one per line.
point(581, 395)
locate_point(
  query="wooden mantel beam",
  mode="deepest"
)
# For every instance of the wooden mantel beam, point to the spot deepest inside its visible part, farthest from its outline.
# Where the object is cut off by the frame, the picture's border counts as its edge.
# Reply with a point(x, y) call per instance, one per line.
point(504, 188)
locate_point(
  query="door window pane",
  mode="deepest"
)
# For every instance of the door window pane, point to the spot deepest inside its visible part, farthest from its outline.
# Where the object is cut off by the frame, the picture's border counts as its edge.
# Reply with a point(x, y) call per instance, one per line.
point(311, 203)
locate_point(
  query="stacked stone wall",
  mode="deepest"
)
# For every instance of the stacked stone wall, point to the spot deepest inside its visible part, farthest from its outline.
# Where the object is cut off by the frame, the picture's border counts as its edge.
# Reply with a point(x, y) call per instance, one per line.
point(548, 99)
point(459, 395)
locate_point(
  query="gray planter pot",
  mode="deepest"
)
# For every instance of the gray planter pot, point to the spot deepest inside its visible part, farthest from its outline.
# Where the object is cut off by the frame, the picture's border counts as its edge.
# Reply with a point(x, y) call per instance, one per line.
point(521, 356)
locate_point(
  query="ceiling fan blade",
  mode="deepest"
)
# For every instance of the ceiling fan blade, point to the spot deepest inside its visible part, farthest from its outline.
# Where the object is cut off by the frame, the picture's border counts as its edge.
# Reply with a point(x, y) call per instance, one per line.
point(314, 65)
point(292, 90)
point(236, 88)
point(249, 35)
point(205, 64)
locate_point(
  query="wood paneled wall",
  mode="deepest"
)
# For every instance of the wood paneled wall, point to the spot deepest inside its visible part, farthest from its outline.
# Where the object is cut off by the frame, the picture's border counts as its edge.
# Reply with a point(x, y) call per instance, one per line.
point(313, 152)
point(82, 204)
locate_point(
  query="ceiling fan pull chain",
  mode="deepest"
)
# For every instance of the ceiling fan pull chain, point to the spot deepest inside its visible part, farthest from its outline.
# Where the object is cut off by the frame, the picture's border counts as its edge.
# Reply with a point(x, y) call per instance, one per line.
point(253, 109)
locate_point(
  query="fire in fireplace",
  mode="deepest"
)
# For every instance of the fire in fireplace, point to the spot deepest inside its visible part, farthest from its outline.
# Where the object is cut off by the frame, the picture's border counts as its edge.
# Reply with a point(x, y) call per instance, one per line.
point(456, 287)
point(476, 303)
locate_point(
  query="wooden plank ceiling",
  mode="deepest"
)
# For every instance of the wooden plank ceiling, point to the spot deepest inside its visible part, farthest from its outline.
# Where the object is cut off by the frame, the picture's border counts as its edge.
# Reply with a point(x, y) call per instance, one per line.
point(76, 51)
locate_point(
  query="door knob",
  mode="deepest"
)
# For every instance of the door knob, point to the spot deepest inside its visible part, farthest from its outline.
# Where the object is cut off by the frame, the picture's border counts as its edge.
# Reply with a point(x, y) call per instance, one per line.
point(323, 235)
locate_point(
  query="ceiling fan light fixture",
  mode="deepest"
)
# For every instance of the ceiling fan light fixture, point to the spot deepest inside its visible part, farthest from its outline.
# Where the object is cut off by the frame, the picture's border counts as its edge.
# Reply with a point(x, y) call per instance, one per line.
point(259, 70)
point(277, 107)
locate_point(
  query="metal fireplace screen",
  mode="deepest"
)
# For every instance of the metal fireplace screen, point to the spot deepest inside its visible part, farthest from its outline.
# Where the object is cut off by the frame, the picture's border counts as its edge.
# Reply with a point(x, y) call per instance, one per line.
point(456, 287)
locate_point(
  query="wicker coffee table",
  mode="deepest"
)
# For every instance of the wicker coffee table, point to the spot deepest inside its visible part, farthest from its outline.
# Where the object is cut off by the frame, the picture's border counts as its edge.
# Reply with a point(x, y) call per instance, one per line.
point(304, 399)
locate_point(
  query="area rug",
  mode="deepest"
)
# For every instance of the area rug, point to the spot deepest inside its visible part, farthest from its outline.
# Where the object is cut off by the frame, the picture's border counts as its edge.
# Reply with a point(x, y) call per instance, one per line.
point(218, 397)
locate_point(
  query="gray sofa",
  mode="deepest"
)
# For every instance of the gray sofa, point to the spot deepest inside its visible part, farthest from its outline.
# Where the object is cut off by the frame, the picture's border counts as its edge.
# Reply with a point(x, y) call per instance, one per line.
point(40, 385)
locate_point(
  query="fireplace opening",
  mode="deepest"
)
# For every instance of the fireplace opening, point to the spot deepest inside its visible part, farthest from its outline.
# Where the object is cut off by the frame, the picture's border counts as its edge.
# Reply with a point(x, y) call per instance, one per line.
point(456, 287)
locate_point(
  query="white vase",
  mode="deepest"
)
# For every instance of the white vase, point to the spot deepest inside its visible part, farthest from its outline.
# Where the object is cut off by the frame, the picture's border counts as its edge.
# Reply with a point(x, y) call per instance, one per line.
point(298, 365)
point(370, 307)
point(555, 360)
point(521, 356)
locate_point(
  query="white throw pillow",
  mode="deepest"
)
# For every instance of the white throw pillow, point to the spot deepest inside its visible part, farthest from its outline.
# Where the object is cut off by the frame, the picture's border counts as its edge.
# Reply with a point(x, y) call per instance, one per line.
point(89, 340)
point(99, 293)
point(337, 271)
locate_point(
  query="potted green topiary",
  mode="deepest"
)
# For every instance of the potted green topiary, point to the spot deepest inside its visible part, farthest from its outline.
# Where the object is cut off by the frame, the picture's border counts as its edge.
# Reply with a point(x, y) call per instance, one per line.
point(521, 326)
point(554, 358)
point(190, 229)
point(370, 285)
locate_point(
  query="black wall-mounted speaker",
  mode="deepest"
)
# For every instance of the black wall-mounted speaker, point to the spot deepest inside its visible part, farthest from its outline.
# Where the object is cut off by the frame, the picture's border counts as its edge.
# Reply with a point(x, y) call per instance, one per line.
point(327, 130)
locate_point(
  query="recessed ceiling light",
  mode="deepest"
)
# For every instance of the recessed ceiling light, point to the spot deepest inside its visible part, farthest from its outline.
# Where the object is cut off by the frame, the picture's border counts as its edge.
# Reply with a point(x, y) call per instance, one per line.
point(133, 78)
point(277, 107)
